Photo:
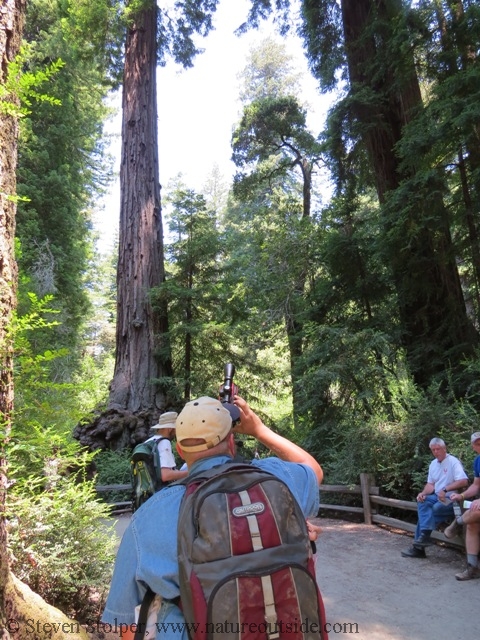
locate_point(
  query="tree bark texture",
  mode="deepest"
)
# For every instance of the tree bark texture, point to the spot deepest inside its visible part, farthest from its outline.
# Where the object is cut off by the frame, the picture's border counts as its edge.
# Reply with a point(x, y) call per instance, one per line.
point(460, 52)
point(12, 15)
point(141, 358)
point(436, 330)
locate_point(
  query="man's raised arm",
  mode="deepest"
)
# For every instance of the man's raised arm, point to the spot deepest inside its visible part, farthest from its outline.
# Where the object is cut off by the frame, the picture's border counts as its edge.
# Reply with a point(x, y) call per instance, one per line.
point(251, 424)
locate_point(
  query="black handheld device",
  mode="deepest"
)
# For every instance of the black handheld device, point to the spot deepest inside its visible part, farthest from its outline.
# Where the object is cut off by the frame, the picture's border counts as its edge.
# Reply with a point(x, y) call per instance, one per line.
point(227, 391)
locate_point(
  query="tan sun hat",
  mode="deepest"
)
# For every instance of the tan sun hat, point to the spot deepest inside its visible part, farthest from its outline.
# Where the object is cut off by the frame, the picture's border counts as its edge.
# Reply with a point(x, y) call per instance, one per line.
point(166, 421)
point(475, 436)
point(204, 418)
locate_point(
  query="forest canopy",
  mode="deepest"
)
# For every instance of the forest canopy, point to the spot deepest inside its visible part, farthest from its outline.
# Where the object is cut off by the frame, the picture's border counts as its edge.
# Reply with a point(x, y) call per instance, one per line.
point(345, 318)
point(339, 269)
point(352, 320)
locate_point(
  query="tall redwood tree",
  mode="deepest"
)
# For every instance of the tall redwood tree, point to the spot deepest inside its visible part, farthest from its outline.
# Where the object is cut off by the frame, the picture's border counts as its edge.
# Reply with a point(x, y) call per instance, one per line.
point(139, 363)
point(140, 389)
point(437, 332)
point(371, 42)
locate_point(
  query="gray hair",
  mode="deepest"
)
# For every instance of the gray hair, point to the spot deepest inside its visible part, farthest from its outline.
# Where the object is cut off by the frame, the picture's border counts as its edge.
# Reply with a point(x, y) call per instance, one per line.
point(437, 441)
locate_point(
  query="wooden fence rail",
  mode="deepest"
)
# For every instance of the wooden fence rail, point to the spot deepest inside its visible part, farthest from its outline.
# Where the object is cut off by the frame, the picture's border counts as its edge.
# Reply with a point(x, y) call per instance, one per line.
point(371, 499)
point(117, 507)
point(102, 488)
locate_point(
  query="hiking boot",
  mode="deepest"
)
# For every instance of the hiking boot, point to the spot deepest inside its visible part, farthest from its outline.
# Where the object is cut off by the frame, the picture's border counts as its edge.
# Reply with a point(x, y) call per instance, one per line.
point(470, 573)
point(414, 552)
point(452, 530)
point(423, 541)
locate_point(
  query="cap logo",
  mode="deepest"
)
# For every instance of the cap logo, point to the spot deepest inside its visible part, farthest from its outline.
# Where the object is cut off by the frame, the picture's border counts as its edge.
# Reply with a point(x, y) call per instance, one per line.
point(248, 509)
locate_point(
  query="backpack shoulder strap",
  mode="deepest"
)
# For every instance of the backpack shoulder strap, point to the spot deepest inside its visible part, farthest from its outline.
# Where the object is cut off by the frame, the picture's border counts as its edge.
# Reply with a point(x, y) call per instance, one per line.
point(154, 446)
point(143, 615)
point(155, 441)
point(202, 476)
point(156, 462)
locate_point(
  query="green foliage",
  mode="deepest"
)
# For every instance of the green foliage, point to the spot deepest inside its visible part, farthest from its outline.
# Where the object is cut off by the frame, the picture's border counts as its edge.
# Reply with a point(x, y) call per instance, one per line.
point(59, 542)
point(99, 329)
point(62, 165)
point(410, 149)
point(93, 32)
point(276, 156)
point(194, 293)
point(177, 27)
point(268, 73)
point(24, 85)
point(274, 127)
point(113, 467)
point(48, 400)
point(61, 546)
point(321, 30)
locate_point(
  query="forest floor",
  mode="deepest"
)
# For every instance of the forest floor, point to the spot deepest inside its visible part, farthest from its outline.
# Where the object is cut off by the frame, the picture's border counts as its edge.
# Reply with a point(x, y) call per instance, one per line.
point(371, 592)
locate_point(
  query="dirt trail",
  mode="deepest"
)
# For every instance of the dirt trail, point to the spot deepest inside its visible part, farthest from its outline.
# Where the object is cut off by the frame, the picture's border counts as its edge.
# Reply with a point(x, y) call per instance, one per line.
point(365, 581)
point(372, 593)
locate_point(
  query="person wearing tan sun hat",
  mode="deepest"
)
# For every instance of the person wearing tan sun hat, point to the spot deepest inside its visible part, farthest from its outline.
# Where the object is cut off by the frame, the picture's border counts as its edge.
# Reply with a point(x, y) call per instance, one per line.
point(164, 432)
point(148, 555)
point(470, 518)
point(202, 425)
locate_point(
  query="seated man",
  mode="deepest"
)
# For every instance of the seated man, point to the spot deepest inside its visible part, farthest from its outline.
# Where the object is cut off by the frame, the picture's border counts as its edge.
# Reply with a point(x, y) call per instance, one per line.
point(471, 518)
point(445, 474)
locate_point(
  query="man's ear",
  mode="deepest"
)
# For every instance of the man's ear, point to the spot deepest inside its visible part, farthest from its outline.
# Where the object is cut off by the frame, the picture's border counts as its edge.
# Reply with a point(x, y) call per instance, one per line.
point(179, 451)
point(231, 444)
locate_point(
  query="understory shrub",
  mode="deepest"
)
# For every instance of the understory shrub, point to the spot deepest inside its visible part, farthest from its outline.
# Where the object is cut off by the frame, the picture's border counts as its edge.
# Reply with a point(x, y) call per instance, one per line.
point(396, 452)
point(113, 467)
point(62, 545)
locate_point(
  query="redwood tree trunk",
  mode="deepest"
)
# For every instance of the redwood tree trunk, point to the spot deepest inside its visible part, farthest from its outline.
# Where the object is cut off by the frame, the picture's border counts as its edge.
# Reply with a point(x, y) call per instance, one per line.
point(140, 358)
point(460, 52)
point(12, 14)
point(436, 330)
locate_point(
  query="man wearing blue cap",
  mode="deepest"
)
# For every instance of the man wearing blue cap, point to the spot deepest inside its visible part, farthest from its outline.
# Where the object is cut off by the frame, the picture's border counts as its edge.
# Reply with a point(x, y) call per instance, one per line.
point(470, 518)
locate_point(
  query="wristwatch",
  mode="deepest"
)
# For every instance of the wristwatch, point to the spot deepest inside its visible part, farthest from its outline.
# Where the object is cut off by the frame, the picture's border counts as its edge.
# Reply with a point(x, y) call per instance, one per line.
point(445, 489)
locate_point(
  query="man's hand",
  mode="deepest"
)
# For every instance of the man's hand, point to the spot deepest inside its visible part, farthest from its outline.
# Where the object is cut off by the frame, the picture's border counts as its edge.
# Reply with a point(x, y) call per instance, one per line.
point(475, 506)
point(427, 490)
point(442, 495)
point(313, 530)
point(250, 424)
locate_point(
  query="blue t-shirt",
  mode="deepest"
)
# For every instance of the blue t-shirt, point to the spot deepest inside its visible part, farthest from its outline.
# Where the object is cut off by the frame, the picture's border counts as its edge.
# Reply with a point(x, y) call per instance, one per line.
point(476, 467)
point(148, 551)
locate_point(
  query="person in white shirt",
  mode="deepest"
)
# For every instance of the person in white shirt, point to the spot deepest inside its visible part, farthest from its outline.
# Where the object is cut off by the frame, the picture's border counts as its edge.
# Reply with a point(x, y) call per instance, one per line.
point(446, 475)
point(164, 432)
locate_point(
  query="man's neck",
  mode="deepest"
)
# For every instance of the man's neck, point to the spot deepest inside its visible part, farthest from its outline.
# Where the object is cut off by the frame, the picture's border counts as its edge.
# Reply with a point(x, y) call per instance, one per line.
point(207, 461)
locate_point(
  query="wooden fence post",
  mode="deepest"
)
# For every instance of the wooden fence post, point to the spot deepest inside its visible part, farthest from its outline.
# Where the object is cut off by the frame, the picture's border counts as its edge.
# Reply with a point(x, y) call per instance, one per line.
point(366, 481)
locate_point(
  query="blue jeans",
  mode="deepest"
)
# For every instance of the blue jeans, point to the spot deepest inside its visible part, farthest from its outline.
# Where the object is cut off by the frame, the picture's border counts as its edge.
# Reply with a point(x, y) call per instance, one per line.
point(431, 513)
